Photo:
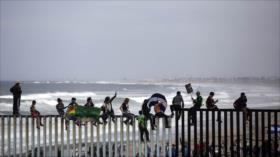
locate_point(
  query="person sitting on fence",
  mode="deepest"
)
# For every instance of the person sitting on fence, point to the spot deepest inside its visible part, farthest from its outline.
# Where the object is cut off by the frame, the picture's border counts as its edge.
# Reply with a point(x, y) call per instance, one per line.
point(177, 104)
point(160, 113)
point(70, 110)
point(146, 111)
point(197, 105)
point(126, 113)
point(89, 102)
point(60, 107)
point(108, 109)
point(241, 105)
point(36, 114)
point(210, 104)
point(142, 124)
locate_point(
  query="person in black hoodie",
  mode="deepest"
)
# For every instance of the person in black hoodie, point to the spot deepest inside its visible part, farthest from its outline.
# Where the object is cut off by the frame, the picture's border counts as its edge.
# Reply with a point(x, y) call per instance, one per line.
point(146, 111)
point(241, 105)
point(16, 90)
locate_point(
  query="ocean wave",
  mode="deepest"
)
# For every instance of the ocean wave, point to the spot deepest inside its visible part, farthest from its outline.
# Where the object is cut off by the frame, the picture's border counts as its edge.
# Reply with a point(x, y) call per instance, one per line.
point(51, 95)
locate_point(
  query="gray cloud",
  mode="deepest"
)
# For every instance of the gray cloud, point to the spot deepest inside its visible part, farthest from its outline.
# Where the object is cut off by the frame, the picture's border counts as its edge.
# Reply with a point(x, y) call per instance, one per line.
point(113, 40)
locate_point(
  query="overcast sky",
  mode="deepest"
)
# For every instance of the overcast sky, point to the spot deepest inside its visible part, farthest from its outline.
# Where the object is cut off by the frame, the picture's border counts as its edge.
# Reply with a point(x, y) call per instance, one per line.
point(112, 40)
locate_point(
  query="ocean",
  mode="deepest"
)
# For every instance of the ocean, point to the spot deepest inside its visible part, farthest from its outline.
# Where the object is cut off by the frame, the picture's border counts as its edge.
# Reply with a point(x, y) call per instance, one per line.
point(260, 94)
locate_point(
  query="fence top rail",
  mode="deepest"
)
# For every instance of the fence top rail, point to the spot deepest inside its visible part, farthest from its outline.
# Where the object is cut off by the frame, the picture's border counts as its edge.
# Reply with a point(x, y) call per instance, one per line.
point(183, 109)
point(234, 110)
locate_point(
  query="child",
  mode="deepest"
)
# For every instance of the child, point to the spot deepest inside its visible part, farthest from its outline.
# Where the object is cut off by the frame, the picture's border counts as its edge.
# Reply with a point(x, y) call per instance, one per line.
point(142, 124)
point(36, 114)
point(60, 107)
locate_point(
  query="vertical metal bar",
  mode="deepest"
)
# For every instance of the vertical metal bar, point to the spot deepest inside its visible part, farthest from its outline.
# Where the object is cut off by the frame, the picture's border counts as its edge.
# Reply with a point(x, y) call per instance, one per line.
point(207, 132)
point(152, 141)
point(219, 133)
point(231, 134)
point(269, 132)
point(244, 118)
point(2, 135)
point(225, 133)
point(257, 133)
point(67, 126)
point(9, 136)
point(170, 138)
point(50, 136)
point(15, 136)
point(45, 136)
point(263, 133)
point(189, 134)
point(238, 132)
point(56, 136)
point(38, 141)
point(157, 137)
point(213, 144)
point(163, 137)
point(74, 139)
point(62, 136)
point(139, 144)
point(20, 137)
point(177, 133)
point(195, 133)
point(127, 141)
point(116, 137)
point(133, 138)
point(80, 141)
point(86, 139)
point(201, 130)
point(32, 138)
point(275, 134)
point(183, 131)
point(103, 140)
point(122, 136)
point(251, 135)
point(91, 140)
point(98, 140)
point(109, 137)
point(27, 136)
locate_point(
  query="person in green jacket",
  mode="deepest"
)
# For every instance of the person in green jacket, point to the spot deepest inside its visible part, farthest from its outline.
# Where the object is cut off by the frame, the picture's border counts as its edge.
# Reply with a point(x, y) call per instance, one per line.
point(197, 103)
point(142, 124)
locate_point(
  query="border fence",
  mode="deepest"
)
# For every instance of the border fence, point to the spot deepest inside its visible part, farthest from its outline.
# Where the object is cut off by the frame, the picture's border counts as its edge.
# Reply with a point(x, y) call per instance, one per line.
point(233, 137)
point(259, 136)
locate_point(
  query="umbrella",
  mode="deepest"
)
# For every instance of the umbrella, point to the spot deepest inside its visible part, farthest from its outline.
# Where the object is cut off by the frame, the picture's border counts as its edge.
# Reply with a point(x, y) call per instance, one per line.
point(157, 98)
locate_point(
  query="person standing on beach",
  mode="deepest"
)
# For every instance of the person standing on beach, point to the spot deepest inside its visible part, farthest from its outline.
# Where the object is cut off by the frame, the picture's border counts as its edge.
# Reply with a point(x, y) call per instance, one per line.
point(241, 105)
point(211, 105)
point(108, 109)
point(16, 90)
point(177, 104)
point(36, 114)
point(126, 113)
point(197, 105)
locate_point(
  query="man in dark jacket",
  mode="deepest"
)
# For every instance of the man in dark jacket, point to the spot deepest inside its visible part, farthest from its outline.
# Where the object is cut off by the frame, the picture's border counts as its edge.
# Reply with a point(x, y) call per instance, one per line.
point(177, 104)
point(241, 105)
point(197, 103)
point(16, 90)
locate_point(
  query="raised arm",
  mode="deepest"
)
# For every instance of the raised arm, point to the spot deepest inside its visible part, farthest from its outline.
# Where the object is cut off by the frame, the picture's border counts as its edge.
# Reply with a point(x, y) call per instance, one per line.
point(113, 97)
